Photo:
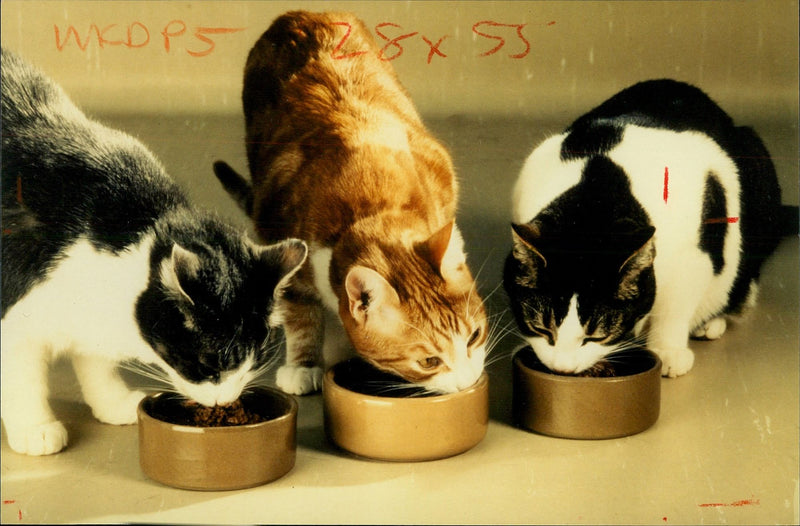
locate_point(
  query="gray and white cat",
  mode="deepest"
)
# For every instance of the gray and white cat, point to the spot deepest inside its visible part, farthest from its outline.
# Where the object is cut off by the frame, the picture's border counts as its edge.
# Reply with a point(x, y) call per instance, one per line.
point(104, 259)
point(653, 213)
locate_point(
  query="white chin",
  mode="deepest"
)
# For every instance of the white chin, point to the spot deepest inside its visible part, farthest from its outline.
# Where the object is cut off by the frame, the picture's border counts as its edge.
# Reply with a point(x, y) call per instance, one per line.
point(568, 362)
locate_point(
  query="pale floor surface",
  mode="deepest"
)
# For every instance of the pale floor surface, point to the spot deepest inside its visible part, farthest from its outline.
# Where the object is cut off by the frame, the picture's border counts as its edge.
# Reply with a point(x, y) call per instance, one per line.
point(724, 450)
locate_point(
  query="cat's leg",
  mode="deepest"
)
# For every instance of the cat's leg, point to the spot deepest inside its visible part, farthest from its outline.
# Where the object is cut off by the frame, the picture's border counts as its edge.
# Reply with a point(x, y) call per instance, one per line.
point(668, 338)
point(304, 327)
point(31, 427)
point(110, 398)
point(673, 312)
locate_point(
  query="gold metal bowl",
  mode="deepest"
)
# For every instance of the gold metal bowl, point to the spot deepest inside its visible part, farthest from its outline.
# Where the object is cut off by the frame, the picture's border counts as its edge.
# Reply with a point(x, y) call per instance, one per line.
point(404, 426)
point(218, 458)
point(587, 407)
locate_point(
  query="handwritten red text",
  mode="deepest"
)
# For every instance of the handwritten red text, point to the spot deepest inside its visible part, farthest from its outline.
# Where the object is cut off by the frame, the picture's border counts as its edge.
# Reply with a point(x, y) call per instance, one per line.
point(501, 36)
point(196, 41)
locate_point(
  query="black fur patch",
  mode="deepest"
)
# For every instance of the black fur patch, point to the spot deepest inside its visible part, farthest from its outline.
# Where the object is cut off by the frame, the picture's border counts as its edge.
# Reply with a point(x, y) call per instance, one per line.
point(714, 226)
point(585, 235)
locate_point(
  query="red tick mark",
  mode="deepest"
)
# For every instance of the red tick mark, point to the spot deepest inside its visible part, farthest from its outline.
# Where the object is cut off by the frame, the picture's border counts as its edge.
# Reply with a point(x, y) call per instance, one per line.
point(735, 504)
point(715, 220)
point(666, 183)
point(9, 501)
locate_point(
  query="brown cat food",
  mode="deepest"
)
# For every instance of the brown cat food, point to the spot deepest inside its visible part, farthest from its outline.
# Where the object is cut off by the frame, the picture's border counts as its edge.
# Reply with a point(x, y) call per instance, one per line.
point(233, 414)
point(599, 370)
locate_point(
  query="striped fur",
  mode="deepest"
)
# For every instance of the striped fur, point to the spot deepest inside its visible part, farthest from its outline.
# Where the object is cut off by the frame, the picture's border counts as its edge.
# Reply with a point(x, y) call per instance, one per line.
point(339, 157)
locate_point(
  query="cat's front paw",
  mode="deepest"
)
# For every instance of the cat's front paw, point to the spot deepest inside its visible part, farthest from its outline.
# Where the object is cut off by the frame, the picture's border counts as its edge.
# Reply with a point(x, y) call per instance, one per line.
point(675, 362)
point(299, 380)
point(42, 439)
point(121, 411)
point(711, 330)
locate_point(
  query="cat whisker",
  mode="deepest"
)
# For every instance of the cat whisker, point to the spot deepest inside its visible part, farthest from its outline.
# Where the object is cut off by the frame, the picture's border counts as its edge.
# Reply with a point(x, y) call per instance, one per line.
point(492, 292)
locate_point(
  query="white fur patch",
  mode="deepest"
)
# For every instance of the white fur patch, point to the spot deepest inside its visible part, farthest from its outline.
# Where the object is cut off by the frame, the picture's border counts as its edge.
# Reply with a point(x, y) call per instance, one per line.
point(87, 303)
point(544, 177)
point(84, 306)
point(321, 263)
point(569, 354)
point(227, 390)
point(454, 255)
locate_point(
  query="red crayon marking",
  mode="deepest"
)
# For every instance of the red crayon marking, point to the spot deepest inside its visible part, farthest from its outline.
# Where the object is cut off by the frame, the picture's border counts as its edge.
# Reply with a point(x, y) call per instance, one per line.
point(168, 34)
point(136, 35)
point(716, 220)
point(338, 48)
point(502, 41)
point(200, 34)
point(9, 501)
point(435, 48)
point(666, 183)
point(19, 514)
point(736, 504)
point(393, 41)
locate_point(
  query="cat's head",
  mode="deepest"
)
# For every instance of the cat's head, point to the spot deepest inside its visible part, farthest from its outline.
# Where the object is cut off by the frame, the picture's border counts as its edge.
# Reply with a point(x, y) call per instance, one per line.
point(211, 306)
point(416, 313)
point(577, 297)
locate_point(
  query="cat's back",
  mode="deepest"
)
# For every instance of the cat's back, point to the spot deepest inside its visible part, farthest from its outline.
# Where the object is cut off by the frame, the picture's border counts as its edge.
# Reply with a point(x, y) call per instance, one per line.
point(66, 180)
point(317, 63)
point(71, 174)
point(667, 136)
point(331, 132)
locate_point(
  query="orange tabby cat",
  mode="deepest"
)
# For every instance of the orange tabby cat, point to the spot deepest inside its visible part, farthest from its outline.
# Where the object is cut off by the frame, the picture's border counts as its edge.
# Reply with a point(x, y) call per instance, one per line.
point(339, 157)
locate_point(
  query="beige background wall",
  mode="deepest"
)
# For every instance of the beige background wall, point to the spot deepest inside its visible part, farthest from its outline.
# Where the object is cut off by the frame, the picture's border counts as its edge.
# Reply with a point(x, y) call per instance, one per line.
point(744, 53)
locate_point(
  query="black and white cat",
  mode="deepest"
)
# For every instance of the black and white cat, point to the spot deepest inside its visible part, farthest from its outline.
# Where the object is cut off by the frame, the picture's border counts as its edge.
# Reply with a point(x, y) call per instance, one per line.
point(653, 213)
point(104, 259)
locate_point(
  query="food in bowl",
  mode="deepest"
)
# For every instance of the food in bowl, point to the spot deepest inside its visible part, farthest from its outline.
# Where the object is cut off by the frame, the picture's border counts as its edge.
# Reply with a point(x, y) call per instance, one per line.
point(186, 445)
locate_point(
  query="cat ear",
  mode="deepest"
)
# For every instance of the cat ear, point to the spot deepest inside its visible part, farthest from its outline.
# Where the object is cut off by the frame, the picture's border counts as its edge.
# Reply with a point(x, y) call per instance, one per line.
point(176, 270)
point(444, 250)
point(633, 266)
point(644, 249)
point(526, 236)
point(369, 295)
point(289, 254)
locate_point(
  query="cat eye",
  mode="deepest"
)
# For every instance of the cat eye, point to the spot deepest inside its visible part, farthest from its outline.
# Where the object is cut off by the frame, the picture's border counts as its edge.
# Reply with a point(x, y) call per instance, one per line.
point(541, 331)
point(430, 362)
point(473, 337)
point(590, 339)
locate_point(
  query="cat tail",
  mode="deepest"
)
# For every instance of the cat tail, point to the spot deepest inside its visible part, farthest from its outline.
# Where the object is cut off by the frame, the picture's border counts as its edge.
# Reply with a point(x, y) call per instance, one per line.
point(237, 186)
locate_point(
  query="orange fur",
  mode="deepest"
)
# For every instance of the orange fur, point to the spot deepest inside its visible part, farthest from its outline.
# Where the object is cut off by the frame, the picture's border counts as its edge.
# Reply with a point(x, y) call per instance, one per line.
point(339, 157)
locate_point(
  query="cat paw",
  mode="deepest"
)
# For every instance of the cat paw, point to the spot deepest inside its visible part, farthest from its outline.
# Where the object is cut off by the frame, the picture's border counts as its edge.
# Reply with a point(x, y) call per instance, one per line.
point(299, 380)
point(710, 330)
point(42, 439)
point(676, 362)
point(122, 412)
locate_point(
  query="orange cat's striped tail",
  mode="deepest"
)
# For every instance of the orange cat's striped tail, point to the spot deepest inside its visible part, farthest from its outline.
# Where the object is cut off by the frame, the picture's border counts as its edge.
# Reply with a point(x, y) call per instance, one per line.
point(236, 185)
